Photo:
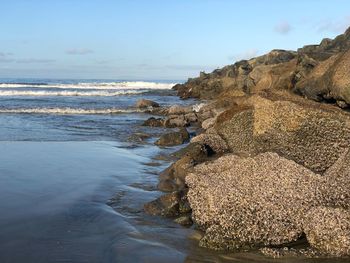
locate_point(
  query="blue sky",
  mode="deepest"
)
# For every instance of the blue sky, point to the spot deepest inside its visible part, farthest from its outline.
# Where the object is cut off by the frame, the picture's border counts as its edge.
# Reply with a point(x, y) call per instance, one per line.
point(154, 39)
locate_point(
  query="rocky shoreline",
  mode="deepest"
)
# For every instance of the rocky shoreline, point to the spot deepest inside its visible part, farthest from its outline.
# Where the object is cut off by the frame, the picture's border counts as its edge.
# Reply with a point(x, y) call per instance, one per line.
point(269, 163)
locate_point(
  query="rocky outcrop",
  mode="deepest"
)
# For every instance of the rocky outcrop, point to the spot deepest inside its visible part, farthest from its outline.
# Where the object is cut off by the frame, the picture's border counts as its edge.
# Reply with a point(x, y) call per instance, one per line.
point(328, 81)
point(319, 72)
point(269, 166)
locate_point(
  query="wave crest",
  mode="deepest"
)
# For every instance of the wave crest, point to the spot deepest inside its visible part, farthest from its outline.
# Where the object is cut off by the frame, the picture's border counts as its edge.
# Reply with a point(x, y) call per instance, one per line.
point(69, 93)
point(69, 111)
point(129, 85)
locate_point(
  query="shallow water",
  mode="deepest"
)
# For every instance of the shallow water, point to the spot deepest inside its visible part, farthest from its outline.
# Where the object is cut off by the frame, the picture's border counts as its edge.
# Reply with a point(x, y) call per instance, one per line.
point(72, 185)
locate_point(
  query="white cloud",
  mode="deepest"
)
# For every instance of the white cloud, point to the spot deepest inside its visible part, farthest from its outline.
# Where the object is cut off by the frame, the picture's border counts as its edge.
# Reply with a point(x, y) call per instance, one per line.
point(283, 28)
point(79, 51)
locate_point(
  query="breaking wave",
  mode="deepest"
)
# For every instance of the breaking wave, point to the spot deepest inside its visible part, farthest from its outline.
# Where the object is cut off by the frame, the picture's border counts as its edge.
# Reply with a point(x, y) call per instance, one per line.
point(68, 93)
point(68, 111)
point(127, 85)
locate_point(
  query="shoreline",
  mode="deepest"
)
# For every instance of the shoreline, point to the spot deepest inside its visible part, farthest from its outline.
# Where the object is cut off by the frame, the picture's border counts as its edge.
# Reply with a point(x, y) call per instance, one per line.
point(274, 137)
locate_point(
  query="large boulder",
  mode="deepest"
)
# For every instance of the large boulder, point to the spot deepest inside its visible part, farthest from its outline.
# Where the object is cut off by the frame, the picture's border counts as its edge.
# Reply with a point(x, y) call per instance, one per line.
point(246, 202)
point(311, 134)
point(329, 81)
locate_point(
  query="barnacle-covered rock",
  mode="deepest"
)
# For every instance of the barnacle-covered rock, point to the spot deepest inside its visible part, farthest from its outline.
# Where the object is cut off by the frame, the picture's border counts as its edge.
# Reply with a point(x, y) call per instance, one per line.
point(328, 230)
point(251, 201)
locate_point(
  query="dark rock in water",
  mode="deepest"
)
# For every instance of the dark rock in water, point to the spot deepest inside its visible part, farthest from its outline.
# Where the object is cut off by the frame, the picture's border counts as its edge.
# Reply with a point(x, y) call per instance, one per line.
point(166, 205)
point(174, 138)
point(195, 150)
point(173, 178)
point(176, 121)
point(143, 103)
point(154, 122)
point(139, 137)
point(167, 185)
point(184, 220)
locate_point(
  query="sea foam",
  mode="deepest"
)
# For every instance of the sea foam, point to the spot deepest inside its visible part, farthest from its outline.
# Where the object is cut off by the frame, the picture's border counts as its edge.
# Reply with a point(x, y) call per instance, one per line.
point(128, 85)
point(68, 111)
point(68, 93)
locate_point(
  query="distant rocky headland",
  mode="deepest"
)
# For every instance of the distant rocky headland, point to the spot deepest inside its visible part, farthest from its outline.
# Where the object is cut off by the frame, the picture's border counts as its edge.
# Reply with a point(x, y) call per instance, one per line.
point(269, 165)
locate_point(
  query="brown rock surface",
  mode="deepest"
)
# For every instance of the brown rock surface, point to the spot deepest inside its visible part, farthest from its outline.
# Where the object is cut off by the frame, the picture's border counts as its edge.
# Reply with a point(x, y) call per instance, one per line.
point(251, 201)
point(294, 128)
point(173, 138)
point(328, 230)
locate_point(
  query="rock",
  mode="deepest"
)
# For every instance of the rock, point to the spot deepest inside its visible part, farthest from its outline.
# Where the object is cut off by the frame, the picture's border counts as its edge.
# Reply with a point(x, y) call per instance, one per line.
point(329, 81)
point(139, 136)
point(174, 176)
point(191, 117)
point(319, 72)
point(328, 230)
point(167, 185)
point(208, 123)
point(337, 193)
point(195, 151)
point(143, 103)
point(176, 110)
point(342, 104)
point(251, 202)
point(173, 121)
point(184, 220)
point(295, 128)
point(154, 122)
point(212, 140)
point(173, 138)
point(166, 205)
point(287, 252)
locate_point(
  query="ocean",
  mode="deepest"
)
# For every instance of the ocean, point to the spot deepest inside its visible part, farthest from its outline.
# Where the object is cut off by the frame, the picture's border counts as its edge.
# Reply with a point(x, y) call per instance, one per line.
point(73, 180)
point(84, 110)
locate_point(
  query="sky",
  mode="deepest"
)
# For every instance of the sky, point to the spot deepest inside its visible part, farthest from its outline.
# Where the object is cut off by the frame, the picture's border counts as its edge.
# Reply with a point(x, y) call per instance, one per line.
point(154, 39)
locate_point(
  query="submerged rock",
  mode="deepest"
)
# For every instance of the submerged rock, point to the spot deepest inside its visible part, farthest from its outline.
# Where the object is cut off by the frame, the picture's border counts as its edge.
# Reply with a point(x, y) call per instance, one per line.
point(154, 122)
point(169, 205)
point(143, 103)
point(184, 220)
point(166, 205)
point(174, 138)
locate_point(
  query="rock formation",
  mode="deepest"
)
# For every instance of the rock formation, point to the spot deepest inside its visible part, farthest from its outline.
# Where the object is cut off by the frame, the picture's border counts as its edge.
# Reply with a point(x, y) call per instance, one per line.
point(270, 163)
